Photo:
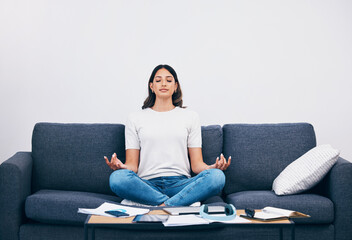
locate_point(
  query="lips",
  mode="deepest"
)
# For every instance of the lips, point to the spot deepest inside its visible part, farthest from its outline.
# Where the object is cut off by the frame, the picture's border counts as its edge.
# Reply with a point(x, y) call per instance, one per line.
point(164, 90)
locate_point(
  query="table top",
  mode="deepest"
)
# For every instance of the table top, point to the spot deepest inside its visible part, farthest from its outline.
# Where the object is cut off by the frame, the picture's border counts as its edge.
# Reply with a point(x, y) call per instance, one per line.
point(95, 219)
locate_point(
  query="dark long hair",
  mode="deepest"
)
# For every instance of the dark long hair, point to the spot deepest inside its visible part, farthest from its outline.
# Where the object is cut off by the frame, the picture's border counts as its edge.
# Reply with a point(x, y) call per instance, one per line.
point(176, 97)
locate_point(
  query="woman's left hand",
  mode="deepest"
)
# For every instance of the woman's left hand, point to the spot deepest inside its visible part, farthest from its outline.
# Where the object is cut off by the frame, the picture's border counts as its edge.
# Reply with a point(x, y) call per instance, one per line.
point(221, 163)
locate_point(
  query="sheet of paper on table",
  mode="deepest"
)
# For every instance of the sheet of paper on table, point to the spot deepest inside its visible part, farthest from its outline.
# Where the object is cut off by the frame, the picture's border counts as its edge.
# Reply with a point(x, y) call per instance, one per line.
point(237, 219)
point(131, 211)
point(185, 220)
point(191, 219)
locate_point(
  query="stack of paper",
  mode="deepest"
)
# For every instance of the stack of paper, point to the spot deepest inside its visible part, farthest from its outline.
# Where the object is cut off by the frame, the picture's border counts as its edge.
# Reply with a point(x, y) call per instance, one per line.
point(185, 220)
point(131, 211)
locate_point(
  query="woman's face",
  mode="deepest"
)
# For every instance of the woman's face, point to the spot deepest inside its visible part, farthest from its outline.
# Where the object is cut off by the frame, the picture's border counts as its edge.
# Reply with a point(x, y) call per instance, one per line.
point(163, 84)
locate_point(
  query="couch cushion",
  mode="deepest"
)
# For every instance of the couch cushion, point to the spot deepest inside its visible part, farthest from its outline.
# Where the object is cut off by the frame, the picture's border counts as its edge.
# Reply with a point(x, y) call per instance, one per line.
point(60, 207)
point(211, 143)
point(215, 200)
point(261, 151)
point(321, 209)
point(71, 156)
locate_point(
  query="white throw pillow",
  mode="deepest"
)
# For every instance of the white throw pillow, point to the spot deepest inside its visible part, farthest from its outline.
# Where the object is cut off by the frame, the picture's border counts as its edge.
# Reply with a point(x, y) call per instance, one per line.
point(306, 171)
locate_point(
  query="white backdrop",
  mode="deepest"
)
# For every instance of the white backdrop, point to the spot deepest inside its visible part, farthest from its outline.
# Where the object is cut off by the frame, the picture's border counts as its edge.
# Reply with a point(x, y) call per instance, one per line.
point(238, 62)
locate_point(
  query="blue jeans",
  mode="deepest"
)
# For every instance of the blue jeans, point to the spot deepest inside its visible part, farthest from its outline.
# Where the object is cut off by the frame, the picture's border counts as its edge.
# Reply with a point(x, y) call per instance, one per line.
point(173, 191)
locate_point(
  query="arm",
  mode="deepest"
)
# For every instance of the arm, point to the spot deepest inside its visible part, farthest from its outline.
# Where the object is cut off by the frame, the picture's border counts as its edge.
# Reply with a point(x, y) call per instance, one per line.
point(339, 190)
point(198, 165)
point(132, 161)
point(15, 186)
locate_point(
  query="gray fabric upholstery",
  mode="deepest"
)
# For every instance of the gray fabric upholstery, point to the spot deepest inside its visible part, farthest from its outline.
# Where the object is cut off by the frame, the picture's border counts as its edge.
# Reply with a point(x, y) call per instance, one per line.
point(60, 207)
point(339, 190)
point(215, 200)
point(211, 143)
point(261, 151)
point(321, 209)
point(318, 232)
point(35, 231)
point(15, 186)
point(71, 156)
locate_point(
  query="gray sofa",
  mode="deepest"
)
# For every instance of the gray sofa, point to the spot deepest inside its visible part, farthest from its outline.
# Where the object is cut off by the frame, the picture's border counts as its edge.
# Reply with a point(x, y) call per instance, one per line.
point(41, 190)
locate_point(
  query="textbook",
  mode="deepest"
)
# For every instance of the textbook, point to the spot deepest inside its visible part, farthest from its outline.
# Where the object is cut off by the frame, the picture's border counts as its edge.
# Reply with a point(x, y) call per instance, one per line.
point(272, 213)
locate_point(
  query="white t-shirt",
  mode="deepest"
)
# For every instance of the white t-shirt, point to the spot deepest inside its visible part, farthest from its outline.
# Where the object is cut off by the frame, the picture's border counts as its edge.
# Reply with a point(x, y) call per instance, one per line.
point(163, 139)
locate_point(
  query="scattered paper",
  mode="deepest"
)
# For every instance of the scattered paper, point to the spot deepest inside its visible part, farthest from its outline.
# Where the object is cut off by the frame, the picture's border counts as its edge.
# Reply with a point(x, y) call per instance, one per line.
point(131, 211)
point(185, 220)
point(237, 219)
point(267, 216)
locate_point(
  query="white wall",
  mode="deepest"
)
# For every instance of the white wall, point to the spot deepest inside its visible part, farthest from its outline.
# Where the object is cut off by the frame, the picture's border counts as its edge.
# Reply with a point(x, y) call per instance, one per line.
point(237, 61)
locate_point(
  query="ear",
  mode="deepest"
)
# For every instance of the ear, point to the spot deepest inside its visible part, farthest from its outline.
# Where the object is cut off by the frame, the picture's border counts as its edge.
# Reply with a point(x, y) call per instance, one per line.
point(176, 84)
point(151, 86)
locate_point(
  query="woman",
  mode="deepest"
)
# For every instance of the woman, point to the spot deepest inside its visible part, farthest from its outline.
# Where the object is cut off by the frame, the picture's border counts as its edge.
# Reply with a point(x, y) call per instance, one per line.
point(159, 139)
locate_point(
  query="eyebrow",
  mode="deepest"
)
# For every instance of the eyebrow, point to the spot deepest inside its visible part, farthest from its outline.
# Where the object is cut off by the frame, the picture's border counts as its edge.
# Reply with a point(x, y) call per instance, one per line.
point(160, 76)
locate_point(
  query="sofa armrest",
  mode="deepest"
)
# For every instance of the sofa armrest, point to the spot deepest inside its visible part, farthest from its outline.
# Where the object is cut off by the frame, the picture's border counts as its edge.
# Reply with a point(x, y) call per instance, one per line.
point(339, 190)
point(15, 186)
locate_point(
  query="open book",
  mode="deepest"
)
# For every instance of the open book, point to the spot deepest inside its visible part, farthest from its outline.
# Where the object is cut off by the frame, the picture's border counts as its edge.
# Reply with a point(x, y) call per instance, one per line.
point(272, 213)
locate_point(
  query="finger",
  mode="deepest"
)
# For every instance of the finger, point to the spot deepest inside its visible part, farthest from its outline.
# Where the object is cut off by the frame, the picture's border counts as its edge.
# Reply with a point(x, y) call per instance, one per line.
point(222, 161)
point(107, 160)
point(217, 162)
point(224, 158)
point(114, 159)
point(228, 163)
point(109, 163)
point(118, 165)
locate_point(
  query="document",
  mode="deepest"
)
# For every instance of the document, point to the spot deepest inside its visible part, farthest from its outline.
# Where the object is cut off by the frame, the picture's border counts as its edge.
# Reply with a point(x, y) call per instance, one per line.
point(185, 220)
point(192, 219)
point(101, 210)
point(272, 213)
point(237, 219)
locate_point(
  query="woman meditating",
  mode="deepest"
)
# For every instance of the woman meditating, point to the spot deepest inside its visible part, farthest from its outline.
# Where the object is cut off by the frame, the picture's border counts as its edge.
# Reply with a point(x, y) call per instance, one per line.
point(159, 139)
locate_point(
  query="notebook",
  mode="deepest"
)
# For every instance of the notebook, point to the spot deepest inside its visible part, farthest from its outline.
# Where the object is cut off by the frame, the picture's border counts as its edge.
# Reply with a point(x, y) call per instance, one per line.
point(193, 210)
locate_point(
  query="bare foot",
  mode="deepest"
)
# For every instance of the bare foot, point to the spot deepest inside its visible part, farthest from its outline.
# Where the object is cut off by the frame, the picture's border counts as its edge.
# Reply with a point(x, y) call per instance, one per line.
point(162, 205)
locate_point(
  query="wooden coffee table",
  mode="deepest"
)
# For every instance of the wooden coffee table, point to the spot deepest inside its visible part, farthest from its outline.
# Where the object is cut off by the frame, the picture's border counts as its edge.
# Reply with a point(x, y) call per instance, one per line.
point(93, 221)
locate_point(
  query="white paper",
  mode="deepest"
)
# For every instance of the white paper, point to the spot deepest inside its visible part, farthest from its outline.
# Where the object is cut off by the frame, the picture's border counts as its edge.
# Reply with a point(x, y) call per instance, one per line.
point(237, 219)
point(267, 216)
point(131, 211)
point(185, 220)
point(278, 211)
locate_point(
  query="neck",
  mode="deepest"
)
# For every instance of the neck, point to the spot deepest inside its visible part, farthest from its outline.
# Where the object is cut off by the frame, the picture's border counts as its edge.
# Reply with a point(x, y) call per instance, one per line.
point(163, 105)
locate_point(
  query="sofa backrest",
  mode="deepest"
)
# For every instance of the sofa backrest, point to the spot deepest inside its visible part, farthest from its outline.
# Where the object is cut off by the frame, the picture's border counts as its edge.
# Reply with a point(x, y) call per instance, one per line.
point(260, 152)
point(70, 156)
point(212, 140)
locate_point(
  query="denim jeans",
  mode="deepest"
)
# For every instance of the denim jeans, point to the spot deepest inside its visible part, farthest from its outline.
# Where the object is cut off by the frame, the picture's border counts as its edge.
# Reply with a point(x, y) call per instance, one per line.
point(173, 191)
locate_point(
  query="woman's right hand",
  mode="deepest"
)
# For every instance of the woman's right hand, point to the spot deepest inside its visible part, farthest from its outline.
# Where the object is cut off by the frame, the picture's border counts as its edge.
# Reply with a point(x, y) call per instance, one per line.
point(115, 163)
